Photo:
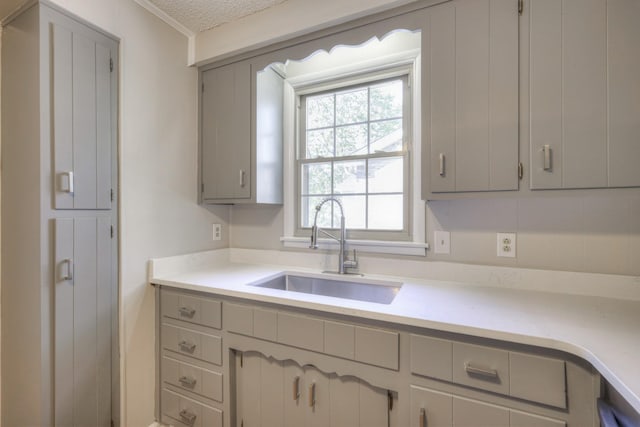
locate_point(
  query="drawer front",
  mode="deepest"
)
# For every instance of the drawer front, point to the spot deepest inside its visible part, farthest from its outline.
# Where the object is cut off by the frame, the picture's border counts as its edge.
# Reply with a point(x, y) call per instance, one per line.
point(238, 318)
point(339, 339)
point(265, 324)
point(191, 378)
point(194, 344)
point(539, 379)
point(182, 411)
point(301, 331)
point(431, 357)
point(201, 311)
point(377, 347)
point(481, 367)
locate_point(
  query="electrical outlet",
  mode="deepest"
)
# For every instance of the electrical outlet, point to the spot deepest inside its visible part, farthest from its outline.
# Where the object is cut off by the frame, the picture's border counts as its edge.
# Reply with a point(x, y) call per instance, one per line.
point(217, 231)
point(442, 242)
point(506, 245)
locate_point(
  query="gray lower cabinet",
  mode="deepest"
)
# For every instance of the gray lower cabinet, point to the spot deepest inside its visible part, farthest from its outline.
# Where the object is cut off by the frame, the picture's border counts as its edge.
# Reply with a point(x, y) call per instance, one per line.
point(60, 361)
point(282, 366)
point(282, 393)
point(470, 113)
point(191, 361)
point(584, 93)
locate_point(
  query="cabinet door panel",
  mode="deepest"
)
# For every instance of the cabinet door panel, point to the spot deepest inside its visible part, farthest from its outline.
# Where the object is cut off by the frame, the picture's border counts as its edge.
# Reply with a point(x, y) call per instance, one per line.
point(248, 389)
point(345, 402)
point(318, 413)
point(374, 406)
point(522, 419)
point(472, 75)
point(295, 404)
point(82, 122)
point(272, 393)
point(82, 321)
point(430, 408)
point(624, 92)
point(472, 413)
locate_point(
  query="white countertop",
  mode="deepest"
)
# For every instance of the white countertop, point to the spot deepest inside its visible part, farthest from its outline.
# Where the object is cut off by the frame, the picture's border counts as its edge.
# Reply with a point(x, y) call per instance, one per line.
point(604, 331)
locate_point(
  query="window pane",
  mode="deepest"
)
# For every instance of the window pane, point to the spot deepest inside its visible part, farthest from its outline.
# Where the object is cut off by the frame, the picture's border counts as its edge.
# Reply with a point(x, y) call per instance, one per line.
point(319, 111)
point(308, 212)
point(349, 177)
point(319, 143)
point(386, 136)
point(316, 179)
point(386, 212)
point(354, 212)
point(386, 175)
point(386, 100)
point(351, 106)
point(351, 140)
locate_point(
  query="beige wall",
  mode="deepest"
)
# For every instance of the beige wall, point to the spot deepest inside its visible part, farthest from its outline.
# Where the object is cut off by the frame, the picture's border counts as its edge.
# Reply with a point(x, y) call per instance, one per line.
point(158, 154)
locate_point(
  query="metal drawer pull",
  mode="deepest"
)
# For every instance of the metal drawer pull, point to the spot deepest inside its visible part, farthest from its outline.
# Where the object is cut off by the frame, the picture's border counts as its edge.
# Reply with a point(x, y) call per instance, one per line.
point(241, 178)
point(423, 417)
point(187, 311)
point(296, 388)
point(187, 381)
point(188, 417)
point(474, 370)
point(312, 395)
point(69, 175)
point(546, 150)
point(187, 346)
point(442, 162)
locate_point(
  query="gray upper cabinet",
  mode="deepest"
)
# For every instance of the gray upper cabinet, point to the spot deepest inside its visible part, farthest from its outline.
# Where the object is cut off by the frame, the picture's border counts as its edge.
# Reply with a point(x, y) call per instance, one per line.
point(470, 104)
point(82, 123)
point(241, 135)
point(584, 94)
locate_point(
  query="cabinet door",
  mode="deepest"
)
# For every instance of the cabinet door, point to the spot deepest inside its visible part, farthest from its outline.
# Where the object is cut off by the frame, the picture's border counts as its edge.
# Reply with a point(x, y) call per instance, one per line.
point(585, 93)
point(226, 133)
point(471, 74)
point(83, 288)
point(430, 408)
point(83, 132)
point(472, 413)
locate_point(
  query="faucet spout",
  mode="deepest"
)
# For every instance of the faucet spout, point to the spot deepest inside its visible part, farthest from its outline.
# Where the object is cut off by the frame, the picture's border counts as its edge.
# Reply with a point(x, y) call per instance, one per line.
point(343, 262)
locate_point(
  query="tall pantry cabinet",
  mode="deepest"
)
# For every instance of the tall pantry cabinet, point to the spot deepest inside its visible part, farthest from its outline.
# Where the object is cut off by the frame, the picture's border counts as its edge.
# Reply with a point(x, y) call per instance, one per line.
point(59, 221)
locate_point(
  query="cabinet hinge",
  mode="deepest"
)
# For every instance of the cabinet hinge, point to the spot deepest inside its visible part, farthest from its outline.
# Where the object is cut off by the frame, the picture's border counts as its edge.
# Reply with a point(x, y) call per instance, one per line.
point(520, 6)
point(241, 423)
point(241, 360)
point(112, 231)
point(390, 398)
point(520, 170)
point(111, 65)
point(111, 194)
point(203, 87)
point(112, 423)
point(202, 187)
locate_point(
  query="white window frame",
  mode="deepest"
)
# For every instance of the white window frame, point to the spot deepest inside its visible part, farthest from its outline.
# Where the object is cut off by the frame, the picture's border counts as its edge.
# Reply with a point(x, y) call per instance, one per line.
point(404, 63)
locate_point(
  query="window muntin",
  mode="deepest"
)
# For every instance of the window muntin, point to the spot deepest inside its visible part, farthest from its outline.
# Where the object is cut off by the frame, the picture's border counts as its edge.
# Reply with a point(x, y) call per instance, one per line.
point(353, 146)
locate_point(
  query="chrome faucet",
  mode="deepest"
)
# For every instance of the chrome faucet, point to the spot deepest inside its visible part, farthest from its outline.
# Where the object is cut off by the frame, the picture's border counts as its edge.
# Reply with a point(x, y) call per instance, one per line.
point(343, 260)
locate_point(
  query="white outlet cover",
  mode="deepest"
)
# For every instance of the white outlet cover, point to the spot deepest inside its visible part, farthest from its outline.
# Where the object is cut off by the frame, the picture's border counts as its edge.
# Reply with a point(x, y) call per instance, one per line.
point(217, 231)
point(442, 242)
point(506, 245)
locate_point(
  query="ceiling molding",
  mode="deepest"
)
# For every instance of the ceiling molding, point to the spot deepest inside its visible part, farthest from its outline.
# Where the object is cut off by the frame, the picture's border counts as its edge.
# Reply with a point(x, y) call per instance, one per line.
point(166, 18)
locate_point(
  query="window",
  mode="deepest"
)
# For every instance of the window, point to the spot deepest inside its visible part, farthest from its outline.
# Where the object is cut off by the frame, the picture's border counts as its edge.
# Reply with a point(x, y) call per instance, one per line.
point(353, 145)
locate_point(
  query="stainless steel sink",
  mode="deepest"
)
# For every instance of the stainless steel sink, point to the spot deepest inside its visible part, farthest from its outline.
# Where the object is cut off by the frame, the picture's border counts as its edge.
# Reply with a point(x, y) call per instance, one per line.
point(362, 290)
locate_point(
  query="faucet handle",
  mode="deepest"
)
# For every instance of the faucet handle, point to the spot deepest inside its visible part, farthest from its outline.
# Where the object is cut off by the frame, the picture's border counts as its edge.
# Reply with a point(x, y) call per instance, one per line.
point(351, 263)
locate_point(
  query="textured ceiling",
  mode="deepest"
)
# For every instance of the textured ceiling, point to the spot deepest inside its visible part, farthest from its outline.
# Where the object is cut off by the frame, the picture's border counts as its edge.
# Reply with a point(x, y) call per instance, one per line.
point(200, 15)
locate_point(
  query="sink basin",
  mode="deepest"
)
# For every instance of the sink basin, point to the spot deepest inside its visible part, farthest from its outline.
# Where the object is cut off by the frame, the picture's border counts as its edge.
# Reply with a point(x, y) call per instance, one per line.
point(362, 290)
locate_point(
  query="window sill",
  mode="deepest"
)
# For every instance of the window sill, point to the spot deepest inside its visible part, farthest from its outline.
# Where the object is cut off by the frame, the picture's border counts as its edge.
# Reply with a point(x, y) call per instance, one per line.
point(370, 246)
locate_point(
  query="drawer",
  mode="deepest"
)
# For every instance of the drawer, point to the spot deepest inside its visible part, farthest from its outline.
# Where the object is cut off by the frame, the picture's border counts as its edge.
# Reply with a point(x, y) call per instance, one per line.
point(431, 357)
point(191, 378)
point(481, 367)
point(265, 324)
point(201, 311)
point(539, 379)
point(340, 339)
point(238, 318)
point(301, 331)
point(181, 411)
point(377, 347)
point(194, 344)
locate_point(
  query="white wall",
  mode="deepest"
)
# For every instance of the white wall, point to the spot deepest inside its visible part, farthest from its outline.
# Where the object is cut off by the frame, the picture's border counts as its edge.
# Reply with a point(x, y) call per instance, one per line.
point(158, 154)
